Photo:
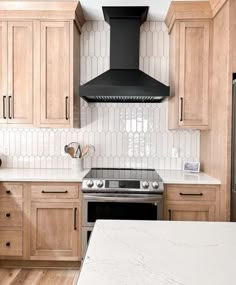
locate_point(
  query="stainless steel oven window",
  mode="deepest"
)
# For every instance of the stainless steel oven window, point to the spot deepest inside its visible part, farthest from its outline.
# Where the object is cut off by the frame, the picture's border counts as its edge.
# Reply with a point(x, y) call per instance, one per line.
point(120, 198)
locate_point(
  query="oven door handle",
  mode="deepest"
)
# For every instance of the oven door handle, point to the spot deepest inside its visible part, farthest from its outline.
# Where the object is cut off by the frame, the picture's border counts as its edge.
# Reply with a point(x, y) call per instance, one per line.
point(126, 199)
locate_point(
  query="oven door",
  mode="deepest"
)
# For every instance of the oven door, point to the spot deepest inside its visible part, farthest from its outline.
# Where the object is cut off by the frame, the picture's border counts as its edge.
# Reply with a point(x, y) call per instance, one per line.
point(121, 207)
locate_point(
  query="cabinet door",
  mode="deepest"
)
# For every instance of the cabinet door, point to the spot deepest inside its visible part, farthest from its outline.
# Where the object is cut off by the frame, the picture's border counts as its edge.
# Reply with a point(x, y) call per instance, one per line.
point(20, 72)
point(54, 231)
point(190, 212)
point(55, 73)
point(194, 73)
point(3, 72)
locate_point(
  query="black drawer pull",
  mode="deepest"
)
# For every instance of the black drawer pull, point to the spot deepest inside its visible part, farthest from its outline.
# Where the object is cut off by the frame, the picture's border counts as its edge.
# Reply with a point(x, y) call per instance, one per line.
point(170, 218)
point(56, 192)
point(75, 219)
point(8, 244)
point(181, 108)
point(8, 215)
point(8, 191)
point(9, 107)
point(4, 107)
point(191, 194)
point(67, 100)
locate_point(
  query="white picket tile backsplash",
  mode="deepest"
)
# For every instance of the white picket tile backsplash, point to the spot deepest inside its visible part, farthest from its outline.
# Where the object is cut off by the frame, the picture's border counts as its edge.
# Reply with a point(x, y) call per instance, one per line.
point(124, 135)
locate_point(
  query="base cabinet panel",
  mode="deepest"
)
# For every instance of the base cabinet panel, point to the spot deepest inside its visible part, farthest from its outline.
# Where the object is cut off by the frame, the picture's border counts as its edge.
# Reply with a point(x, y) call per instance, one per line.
point(11, 243)
point(190, 213)
point(54, 231)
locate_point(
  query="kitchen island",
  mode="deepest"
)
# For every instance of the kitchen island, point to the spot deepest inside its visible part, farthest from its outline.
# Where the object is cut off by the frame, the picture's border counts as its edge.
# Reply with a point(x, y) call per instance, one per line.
point(160, 253)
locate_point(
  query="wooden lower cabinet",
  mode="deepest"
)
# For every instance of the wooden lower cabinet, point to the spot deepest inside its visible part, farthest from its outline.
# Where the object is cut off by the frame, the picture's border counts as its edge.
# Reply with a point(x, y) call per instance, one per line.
point(54, 231)
point(191, 202)
point(190, 212)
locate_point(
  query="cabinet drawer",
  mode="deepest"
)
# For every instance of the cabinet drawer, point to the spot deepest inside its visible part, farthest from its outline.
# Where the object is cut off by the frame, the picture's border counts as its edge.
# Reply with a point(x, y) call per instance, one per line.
point(54, 191)
point(11, 214)
point(10, 243)
point(8, 190)
point(191, 193)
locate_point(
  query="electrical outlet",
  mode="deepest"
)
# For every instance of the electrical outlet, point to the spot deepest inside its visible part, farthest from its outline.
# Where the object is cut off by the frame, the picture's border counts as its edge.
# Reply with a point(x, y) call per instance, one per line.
point(175, 152)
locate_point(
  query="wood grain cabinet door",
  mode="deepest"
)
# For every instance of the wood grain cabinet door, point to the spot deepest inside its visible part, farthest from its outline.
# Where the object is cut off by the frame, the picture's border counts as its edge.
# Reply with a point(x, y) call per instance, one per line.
point(54, 231)
point(194, 73)
point(55, 73)
point(20, 72)
point(3, 72)
point(187, 212)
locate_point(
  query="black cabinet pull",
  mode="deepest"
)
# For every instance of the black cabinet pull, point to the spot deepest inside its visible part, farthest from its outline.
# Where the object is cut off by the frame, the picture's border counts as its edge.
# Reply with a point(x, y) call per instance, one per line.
point(170, 218)
point(67, 99)
point(8, 244)
point(8, 191)
point(9, 107)
point(75, 219)
point(8, 215)
point(4, 107)
point(56, 192)
point(191, 194)
point(181, 108)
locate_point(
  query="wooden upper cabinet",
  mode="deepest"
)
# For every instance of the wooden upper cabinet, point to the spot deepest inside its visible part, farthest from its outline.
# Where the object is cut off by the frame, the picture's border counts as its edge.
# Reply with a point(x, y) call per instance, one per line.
point(3, 72)
point(190, 43)
point(55, 73)
point(20, 73)
point(39, 63)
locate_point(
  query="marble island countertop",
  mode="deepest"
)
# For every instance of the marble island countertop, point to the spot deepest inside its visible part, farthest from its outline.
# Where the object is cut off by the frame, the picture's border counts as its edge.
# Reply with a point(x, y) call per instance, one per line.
point(160, 252)
point(46, 175)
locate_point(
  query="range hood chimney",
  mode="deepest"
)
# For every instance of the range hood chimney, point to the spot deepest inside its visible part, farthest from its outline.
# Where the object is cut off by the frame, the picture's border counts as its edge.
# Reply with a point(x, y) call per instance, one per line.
point(124, 82)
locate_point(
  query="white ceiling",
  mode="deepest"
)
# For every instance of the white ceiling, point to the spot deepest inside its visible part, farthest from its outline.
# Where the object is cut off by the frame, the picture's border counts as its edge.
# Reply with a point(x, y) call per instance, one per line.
point(157, 8)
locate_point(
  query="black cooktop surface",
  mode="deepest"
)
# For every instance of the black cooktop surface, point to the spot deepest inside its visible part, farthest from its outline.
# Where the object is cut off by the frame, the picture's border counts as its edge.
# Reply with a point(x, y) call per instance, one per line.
point(122, 174)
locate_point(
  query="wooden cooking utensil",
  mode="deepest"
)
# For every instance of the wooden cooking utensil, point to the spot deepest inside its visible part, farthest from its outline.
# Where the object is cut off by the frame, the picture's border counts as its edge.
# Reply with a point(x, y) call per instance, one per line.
point(71, 151)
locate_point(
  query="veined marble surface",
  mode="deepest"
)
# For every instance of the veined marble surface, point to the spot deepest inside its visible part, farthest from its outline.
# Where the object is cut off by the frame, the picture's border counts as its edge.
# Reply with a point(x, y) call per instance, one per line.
point(38, 175)
point(182, 177)
point(160, 253)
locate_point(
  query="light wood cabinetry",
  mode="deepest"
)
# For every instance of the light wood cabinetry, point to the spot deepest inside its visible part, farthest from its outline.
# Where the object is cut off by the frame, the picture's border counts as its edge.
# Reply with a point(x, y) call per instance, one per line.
point(40, 222)
point(11, 220)
point(3, 72)
point(39, 63)
point(55, 72)
point(54, 230)
point(191, 203)
point(59, 98)
point(54, 222)
point(16, 102)
point(190, 42)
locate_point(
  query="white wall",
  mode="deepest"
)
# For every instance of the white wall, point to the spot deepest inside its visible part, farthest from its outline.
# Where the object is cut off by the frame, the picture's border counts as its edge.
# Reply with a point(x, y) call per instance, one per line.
point(124, 135)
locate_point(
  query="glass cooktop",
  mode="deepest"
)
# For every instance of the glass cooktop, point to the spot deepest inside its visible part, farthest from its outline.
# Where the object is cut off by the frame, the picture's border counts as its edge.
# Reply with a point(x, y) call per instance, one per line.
point(123, 174)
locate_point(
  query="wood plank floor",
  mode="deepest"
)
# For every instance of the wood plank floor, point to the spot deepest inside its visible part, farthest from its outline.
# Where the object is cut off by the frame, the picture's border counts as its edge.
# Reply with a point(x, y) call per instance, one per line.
point(38, 277)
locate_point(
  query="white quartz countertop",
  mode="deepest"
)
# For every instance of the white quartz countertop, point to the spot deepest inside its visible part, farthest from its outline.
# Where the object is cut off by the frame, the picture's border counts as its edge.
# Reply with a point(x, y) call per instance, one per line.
point(69, 175)
point(37, 175)
point(160, 253)
point(181, 177)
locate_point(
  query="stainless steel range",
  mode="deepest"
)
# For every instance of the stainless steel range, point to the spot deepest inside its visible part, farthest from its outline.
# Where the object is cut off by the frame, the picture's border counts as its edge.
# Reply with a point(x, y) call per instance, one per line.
point(120, 194)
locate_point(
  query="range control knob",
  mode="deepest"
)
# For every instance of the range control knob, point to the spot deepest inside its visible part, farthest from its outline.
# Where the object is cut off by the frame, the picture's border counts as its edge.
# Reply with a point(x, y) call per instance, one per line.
point(145, 184)
point(155, 185)
point(90, 183)
point(99, 183)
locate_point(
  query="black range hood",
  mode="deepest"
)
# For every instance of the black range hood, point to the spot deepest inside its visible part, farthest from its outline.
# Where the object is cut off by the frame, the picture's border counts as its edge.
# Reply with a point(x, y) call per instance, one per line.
point(124, 82)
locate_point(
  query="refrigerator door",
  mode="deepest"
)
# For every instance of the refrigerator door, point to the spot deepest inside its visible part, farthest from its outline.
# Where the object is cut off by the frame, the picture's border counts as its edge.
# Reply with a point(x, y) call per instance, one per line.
point(233, 156)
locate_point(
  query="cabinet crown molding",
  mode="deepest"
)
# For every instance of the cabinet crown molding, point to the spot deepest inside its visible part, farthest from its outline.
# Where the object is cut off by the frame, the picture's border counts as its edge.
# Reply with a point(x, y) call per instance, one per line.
point(57, 10)
point(182, 10)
